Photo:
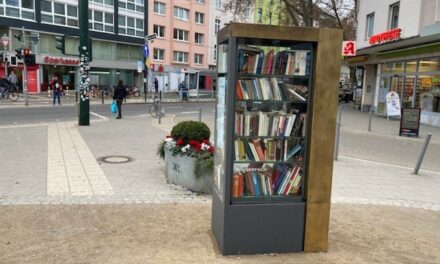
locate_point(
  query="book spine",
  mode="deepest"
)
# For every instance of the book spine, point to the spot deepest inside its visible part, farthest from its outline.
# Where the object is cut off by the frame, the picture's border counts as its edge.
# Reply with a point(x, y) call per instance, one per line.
point(255, 183)
point(235, 183)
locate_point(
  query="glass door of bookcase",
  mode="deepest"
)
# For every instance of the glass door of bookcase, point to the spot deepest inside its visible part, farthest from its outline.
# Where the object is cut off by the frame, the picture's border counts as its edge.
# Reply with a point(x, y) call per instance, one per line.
point(272, 92)
point(220, 136)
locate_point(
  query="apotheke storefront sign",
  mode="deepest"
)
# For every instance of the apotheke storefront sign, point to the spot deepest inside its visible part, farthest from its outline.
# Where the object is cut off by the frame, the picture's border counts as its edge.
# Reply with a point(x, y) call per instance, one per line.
point(64, 61)
point(387, 36)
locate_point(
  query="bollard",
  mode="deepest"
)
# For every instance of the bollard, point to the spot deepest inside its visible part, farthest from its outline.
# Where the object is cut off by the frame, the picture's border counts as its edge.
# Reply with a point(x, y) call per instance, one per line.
point(160, 112)
point(102, 96)
point(370, 117)
point(76, 96)
point(200, 114)
point(422, 154)
point(338, 131)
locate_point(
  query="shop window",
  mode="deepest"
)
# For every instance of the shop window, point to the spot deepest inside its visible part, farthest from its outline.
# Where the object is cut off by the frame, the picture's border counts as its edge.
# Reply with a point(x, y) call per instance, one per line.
point(428, 93)
point(393, 68)
point(411, 66)
point(438, 10)
point(394, 16)
point(429, 65)
point(370, 26)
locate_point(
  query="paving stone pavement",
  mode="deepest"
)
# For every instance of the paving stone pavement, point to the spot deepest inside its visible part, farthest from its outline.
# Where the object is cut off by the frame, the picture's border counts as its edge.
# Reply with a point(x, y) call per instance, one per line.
point(28, 176)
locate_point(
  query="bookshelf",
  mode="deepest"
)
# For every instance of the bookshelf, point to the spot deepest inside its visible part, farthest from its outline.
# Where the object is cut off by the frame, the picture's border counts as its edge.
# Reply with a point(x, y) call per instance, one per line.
point(273, 171)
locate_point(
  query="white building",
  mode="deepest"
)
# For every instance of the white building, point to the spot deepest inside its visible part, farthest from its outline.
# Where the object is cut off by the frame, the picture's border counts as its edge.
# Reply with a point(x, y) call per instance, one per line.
point(398, 50)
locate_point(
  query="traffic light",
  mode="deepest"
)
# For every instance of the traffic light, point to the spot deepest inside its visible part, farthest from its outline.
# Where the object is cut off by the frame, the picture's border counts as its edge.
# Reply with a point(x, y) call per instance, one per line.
point(29, 59)
point(60, 45)
point(18, 53)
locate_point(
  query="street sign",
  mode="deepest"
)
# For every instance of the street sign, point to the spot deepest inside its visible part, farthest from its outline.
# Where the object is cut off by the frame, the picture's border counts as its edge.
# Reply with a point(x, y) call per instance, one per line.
point(150, 37)
point(410, 122)
point(349, 48)
point(5, 41)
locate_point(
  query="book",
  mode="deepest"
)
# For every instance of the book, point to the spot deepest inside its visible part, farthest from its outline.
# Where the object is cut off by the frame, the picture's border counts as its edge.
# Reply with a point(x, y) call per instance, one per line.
point(249, 186)
point(256, 183)
point(259, 150)
point(300, 62)
point(291, 180)
point(235, 184)
point(292, 151)
point(240, 185)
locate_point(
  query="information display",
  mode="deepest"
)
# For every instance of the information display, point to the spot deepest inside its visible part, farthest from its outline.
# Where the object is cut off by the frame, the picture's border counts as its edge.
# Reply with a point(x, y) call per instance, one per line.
point(410, 122)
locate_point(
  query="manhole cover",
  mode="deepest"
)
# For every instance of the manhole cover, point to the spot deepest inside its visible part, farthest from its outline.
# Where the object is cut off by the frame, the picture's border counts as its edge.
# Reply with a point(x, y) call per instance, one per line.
point(115, 159)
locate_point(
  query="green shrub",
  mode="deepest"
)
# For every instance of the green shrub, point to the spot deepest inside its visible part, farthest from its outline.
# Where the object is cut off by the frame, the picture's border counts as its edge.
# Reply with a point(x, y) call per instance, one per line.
point(190, 130)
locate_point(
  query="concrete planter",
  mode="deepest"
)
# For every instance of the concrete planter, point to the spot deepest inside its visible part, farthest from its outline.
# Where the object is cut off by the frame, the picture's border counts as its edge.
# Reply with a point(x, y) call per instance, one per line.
point(180, 170)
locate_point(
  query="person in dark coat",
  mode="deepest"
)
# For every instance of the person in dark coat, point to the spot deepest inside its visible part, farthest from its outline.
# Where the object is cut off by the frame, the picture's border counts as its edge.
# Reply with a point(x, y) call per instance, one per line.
point(156, 85)
point(119, 95)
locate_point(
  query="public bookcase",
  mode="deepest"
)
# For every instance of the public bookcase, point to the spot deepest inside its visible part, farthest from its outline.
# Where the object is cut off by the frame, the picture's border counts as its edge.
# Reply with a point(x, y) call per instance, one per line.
point(276, 111)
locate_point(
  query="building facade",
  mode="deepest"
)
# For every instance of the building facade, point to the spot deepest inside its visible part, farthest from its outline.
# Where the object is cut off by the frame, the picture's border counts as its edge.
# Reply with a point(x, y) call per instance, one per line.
point(398, 50)
point(116, 28)
point(180, 51)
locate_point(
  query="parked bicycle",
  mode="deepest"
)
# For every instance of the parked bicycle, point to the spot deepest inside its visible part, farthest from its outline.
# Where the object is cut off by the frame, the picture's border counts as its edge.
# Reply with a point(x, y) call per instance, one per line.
point(133, 91)
point(7, 90)
point(157, 109)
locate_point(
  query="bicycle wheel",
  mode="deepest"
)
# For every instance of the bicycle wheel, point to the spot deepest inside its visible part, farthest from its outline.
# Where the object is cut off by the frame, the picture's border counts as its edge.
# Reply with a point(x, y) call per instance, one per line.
point(155, 111)
point(13, 97)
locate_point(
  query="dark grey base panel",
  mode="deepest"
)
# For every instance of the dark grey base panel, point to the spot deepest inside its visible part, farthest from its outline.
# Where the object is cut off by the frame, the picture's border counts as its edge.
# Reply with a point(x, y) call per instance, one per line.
point(258, 228)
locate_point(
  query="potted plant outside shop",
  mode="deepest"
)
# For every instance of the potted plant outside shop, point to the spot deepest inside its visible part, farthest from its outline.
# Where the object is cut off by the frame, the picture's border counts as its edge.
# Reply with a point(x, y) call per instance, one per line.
point(189, 156)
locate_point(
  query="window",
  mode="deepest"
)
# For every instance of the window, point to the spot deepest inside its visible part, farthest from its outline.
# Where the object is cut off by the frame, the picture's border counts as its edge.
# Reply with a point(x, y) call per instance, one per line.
point(181, 13)
point(198, 58)
point(180, 57)
point(260, 15)
point(59, 14)
point(200, 1)
point(215, 52)
point(159, 8)
point(101, 21)
point(370, 26)
point(218, 4)
point(217, 25)
point(198, 38)
point(103, 2)
point(159, 30)
point(180, 34)
point(131, 26)
point(158, 54)
point(394, 15)
point(24, 9)
point(131, 5)
point(199, 18)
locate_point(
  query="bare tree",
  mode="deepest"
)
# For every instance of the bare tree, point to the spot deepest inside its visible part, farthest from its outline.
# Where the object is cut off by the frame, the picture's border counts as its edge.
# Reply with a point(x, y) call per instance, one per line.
point(309, 13)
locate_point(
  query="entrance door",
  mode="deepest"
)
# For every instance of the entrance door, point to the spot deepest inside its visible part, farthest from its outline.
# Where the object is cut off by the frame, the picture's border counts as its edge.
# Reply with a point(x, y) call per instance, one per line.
point(408, 92)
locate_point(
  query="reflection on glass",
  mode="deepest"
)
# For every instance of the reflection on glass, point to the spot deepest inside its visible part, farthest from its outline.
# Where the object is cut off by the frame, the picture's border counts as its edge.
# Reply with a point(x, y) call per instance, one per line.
point(222, 56)
point(428, 93)
point(429, 65)
point(219, 157)
point(411, 66)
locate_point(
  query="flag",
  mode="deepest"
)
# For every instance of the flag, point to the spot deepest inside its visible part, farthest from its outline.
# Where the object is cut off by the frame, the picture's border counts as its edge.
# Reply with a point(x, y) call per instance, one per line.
point(146, 55)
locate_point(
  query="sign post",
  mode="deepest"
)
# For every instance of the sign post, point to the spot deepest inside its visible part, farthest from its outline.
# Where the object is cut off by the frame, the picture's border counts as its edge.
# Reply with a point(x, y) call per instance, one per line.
point(84, 103)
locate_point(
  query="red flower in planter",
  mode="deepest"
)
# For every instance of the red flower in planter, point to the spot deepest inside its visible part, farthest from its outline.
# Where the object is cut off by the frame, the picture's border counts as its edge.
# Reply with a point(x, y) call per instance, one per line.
point(211, 149)
point(206, 141)
point(195, 144)
point(179, 142)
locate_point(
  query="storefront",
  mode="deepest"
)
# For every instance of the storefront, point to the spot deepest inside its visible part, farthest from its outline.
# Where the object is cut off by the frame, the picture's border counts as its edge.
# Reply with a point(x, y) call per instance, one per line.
point(409, 67)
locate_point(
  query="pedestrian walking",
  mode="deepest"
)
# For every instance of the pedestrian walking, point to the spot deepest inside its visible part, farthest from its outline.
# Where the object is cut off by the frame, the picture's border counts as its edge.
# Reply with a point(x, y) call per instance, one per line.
point(183, 90)
point(119, 95)
point(156, 85)
point(12, 78)
point(56, 88)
